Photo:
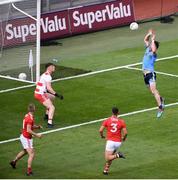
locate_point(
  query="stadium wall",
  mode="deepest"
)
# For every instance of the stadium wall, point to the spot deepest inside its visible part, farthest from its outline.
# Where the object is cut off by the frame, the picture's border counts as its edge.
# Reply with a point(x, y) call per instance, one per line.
point(154, 8)
point(85, 19)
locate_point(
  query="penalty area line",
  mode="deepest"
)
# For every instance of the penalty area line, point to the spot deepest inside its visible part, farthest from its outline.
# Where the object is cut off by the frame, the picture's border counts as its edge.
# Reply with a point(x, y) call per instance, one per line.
point(91, 122)
point(88, 74)
point(158, 72)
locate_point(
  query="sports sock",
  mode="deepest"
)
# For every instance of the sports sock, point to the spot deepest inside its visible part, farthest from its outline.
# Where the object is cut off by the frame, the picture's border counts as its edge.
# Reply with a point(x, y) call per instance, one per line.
point(50, 121)
point(161, 107)
point(107, 166)
point(29, 170)
point(161, 98)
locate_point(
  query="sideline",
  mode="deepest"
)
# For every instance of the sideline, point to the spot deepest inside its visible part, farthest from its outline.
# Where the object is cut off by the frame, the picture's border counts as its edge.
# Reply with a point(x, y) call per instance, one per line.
point(91, 122)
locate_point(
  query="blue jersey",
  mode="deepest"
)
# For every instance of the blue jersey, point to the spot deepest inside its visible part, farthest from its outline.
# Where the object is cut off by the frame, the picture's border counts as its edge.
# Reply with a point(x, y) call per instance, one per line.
point(149, 60)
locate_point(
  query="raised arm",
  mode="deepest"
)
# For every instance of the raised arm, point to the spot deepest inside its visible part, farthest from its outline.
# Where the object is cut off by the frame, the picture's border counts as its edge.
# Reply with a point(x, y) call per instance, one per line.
point(153, 45)
point(147, 37)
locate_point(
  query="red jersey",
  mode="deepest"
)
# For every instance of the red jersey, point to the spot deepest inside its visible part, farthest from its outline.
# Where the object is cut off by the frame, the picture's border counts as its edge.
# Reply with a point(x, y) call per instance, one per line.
point(28, 119)
point(114, 126)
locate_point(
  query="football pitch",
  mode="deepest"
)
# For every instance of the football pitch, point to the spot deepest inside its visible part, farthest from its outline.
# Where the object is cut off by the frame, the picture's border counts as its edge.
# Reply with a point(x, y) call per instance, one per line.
point(74, 148)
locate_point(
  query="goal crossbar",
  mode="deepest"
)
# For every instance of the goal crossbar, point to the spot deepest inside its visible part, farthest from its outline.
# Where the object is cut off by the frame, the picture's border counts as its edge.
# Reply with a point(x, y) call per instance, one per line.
point(9, 1)
point(38, 28)
point(23, 12)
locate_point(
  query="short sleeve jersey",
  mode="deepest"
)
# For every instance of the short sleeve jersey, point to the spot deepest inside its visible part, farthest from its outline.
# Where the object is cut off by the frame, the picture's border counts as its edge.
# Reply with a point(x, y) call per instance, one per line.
point(114, 127)
point(149, 60)
point(28, 119)
point(41, 84)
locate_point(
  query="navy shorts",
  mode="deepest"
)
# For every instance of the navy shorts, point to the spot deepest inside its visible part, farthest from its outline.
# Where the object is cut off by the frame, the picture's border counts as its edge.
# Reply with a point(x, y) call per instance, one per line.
point(149, 78)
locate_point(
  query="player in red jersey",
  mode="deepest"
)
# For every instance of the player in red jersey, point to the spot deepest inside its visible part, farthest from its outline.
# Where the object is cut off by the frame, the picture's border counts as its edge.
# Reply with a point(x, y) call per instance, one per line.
point(45, 94)
point(116, 133)
point(26, 139)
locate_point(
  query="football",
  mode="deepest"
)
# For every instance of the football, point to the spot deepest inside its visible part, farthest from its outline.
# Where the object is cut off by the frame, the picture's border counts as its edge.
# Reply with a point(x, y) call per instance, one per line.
point(133, 26)
point(22, 76)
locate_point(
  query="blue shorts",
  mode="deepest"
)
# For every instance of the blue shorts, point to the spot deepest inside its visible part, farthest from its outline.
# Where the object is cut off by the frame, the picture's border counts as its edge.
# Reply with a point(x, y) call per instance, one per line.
point(149, 78)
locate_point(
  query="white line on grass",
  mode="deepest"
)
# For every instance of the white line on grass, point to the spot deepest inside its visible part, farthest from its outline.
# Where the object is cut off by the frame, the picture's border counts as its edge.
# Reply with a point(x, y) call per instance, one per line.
point(16, 79)
point(91, 122)
point(158, 72)
point(89, 74)
point(17, 88)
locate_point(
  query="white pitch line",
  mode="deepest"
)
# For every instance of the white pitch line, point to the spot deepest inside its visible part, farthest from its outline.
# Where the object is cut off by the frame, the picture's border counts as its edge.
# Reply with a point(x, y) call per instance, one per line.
point(89, 74)
point(91, 122)
point(12, 78)
point(158, 72)
point(17, 88)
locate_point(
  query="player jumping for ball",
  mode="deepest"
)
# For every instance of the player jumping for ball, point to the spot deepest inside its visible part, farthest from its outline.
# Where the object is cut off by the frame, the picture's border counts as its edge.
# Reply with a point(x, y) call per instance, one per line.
point(116, 133)
point(45, 94)
point(26, 139)
point(149, 59)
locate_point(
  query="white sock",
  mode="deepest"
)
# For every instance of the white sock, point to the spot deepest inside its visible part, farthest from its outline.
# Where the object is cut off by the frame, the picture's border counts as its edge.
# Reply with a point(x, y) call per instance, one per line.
point(50, 121)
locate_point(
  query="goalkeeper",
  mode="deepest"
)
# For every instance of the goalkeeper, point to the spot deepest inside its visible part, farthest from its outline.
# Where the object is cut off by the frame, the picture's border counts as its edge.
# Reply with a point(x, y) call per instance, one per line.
point(45, 94)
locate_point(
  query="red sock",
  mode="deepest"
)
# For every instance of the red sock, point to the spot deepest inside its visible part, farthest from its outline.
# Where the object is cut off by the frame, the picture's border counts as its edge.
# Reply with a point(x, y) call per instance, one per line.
point(29, 170)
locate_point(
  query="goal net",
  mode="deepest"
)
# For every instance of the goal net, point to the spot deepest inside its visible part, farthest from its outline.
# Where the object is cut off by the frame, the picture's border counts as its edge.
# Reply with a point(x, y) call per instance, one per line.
point(19, 45)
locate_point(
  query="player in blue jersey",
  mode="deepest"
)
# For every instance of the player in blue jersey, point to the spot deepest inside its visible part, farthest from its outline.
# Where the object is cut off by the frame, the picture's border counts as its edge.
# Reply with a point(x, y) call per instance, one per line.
point(149, 60)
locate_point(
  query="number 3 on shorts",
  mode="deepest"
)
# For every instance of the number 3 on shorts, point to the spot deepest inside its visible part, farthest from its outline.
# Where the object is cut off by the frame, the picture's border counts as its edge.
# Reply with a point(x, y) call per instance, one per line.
point(114, 127)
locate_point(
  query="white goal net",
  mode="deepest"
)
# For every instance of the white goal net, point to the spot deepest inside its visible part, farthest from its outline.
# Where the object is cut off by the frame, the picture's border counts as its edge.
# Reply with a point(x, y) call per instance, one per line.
point(19, 45)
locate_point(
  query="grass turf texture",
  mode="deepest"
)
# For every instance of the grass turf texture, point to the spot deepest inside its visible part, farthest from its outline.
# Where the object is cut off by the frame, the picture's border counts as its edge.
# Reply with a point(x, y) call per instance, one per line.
point(151, 151)
point(77, 154)
point(97, 50)
point(87, 99)
point(6, 84)
point(60, 72)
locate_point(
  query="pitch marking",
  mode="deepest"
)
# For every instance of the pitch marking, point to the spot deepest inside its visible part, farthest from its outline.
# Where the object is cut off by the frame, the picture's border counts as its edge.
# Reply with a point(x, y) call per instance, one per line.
point(88, 74)
point(91, 122)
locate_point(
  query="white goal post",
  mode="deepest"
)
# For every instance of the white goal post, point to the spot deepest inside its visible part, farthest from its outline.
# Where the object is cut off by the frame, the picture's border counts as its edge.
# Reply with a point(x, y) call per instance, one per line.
point(9, 1)
point(38, 27)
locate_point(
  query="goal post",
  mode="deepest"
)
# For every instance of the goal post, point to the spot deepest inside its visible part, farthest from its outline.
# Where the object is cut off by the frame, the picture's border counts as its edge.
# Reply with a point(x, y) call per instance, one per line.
point(20, 35)
point(38, 37)
point(9, 1)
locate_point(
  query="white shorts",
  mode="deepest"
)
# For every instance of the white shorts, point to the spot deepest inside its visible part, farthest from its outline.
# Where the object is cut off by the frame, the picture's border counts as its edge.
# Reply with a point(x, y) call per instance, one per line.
point(112, 145)
point(26, 143)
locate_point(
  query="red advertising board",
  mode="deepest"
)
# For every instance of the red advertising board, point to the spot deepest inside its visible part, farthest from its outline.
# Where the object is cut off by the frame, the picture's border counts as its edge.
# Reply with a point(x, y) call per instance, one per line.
point(55, 25)
point(23, 30)
point(68, 22)
point(101, 16)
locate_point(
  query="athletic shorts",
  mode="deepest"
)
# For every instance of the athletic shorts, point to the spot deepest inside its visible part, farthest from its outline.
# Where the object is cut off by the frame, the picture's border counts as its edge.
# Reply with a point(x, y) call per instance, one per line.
point(41, 97)
point(26, 143)
point(112, 145)
point(149, 78)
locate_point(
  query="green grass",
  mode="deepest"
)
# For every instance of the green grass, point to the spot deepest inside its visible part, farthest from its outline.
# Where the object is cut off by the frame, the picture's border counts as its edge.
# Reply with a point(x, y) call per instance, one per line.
point(98, 50)
point(151, 151)
point(168, 67)
point(88, 98)
point(60, 72)
point(151, 148)
point(6, 84)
